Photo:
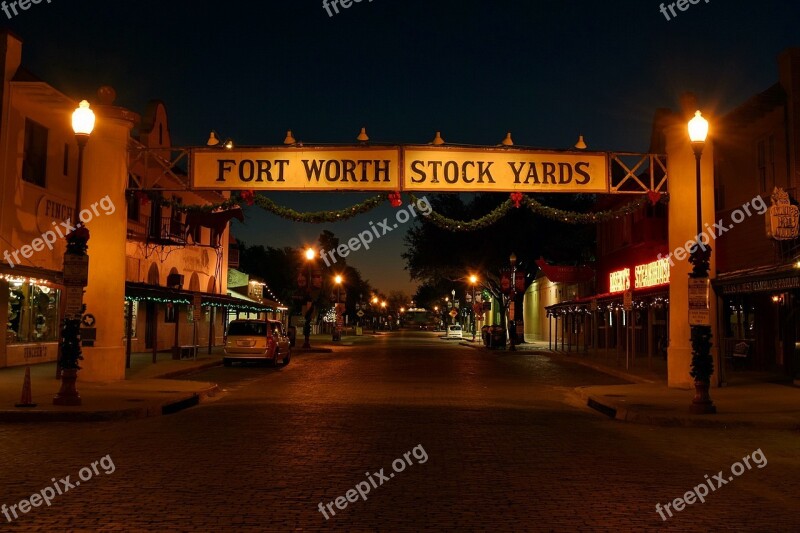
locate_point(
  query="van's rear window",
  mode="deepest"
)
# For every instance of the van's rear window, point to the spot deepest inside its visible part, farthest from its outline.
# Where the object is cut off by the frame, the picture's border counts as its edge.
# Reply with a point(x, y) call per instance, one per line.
point(254, 328)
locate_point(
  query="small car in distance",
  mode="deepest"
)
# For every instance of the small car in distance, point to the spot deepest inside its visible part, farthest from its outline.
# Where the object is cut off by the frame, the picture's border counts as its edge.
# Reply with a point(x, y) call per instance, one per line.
point(454, 332)
point(256, 340)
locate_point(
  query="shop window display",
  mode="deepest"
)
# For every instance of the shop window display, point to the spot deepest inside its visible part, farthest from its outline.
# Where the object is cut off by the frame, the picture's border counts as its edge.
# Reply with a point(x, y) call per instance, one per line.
point(32, 313)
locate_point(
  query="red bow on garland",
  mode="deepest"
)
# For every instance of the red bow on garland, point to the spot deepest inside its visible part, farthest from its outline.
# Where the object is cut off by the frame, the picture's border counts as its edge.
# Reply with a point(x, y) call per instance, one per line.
point(394, 199)
point(654, 197)
point(247, 196)
point(142, 197)
point(516, 197)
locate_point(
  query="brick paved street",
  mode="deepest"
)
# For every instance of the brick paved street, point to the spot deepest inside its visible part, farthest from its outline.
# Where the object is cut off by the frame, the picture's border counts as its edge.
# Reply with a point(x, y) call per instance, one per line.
point(507, 448)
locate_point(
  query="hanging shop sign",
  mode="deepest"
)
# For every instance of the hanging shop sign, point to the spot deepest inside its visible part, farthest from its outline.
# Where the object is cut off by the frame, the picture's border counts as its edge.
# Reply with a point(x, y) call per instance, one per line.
point(783, 217)
point(627, 300)
point(439, 169)
point(297, 169)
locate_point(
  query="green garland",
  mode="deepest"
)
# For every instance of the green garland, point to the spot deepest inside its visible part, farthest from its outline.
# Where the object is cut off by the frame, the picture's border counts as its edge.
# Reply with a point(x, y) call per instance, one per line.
point(266, 204)
point(572, 217)
point(561, 215)
point(472, 225)
point(318, 217)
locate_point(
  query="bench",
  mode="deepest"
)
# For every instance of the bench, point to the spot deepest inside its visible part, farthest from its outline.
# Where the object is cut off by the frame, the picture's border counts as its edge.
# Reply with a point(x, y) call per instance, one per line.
point(186, 351)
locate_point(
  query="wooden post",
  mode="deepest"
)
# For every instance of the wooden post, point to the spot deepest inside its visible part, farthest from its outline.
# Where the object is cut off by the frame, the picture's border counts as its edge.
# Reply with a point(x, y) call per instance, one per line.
point(176, 348)
point(212, 315)
point(128, 328)
point(153, 318)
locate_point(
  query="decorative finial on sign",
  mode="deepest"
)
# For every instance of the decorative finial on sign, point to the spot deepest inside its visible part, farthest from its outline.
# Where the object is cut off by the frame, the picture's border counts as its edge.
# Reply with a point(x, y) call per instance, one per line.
point(437, 140)
point(507, 141)
point(363, 137)
point(581, 144)
point(289, 138)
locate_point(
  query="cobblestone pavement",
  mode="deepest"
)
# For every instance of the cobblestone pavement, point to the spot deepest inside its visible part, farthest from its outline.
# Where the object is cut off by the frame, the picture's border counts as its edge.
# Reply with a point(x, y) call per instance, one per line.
point(506, 451)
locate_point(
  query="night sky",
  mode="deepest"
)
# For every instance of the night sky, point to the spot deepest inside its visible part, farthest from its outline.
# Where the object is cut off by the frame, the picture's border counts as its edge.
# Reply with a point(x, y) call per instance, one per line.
point(546, 70)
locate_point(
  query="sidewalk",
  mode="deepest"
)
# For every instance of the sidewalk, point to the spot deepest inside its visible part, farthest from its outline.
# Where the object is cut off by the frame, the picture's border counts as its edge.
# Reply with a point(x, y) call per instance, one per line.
point(647, 400)
point(148, 390)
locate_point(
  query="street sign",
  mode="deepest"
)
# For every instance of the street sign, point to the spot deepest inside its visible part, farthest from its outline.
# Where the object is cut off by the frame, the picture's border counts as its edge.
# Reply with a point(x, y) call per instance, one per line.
point(627, 300)
point(360, 313)
point(76, 270)
point(73, 296)
point(699, 310)
point(593, 305)
point(453, 313)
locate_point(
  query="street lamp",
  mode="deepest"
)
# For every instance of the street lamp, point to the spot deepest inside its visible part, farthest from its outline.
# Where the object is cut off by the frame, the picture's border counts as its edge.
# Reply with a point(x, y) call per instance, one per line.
point(83, 120)
point(513, 260)
point(702, 363)
point(336, 330)
point(310, 255)
point(473, 279)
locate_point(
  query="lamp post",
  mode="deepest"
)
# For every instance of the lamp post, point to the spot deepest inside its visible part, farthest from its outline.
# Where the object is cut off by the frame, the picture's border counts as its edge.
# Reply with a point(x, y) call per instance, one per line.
point(310, 254)
point(702, 363)
point(76, 268)
point(374, 318)
point(336, 331)
point(513, 259)
point(473, 279)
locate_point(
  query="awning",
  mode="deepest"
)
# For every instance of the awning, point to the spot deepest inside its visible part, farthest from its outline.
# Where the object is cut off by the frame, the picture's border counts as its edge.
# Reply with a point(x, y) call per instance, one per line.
point(761, 279)
point(154, 293)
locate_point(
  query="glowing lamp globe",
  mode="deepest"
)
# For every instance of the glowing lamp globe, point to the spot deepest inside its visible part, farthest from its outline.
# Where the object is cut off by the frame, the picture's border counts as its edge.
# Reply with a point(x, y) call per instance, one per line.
point(83, 119)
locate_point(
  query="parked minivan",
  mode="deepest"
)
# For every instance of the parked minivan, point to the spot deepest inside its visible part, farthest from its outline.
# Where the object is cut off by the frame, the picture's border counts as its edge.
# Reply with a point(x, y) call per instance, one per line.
point(256, 340)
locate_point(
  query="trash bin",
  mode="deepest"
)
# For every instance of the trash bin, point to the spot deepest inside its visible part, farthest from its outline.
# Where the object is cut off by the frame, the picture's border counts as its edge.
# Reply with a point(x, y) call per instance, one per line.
point(497, 337)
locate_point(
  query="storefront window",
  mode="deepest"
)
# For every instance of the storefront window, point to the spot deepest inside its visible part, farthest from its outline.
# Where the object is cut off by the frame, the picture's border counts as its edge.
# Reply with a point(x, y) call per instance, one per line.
point(32, 313)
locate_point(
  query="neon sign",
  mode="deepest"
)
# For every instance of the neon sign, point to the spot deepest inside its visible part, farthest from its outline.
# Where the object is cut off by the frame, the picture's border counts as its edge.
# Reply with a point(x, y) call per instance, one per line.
point(649, 275)
point(620, 280)
point(652, 274)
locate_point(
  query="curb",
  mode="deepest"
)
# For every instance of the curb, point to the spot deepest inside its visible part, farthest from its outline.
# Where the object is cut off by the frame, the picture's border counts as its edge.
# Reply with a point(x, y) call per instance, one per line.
point(155, 408)
point(621, 374)
point(183, 371)
point(625, 414)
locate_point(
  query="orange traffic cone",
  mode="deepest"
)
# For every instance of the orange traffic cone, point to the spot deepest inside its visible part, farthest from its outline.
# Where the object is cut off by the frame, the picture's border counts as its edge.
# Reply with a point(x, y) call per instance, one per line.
point(26, 400)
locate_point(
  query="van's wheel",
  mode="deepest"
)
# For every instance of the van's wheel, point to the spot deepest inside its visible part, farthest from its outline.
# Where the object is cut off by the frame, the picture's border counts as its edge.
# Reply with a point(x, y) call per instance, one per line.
point(288, 357)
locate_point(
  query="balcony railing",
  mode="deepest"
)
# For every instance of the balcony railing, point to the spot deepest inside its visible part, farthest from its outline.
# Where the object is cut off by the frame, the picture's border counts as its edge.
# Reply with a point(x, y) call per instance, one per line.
point(163, 230)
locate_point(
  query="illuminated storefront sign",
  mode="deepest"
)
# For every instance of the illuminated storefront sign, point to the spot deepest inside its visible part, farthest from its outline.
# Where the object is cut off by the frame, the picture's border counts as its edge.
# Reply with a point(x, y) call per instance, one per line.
point(649, 275)
point(620, 280)
point(652, 274)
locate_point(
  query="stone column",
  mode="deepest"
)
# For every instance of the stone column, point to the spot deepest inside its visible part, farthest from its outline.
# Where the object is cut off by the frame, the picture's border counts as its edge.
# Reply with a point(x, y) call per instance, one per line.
point(681, 175)
point(105, 178)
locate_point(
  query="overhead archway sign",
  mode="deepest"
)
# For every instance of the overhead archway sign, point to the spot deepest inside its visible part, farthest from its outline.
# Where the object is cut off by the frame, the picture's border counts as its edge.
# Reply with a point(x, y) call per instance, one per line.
point(399, 168)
